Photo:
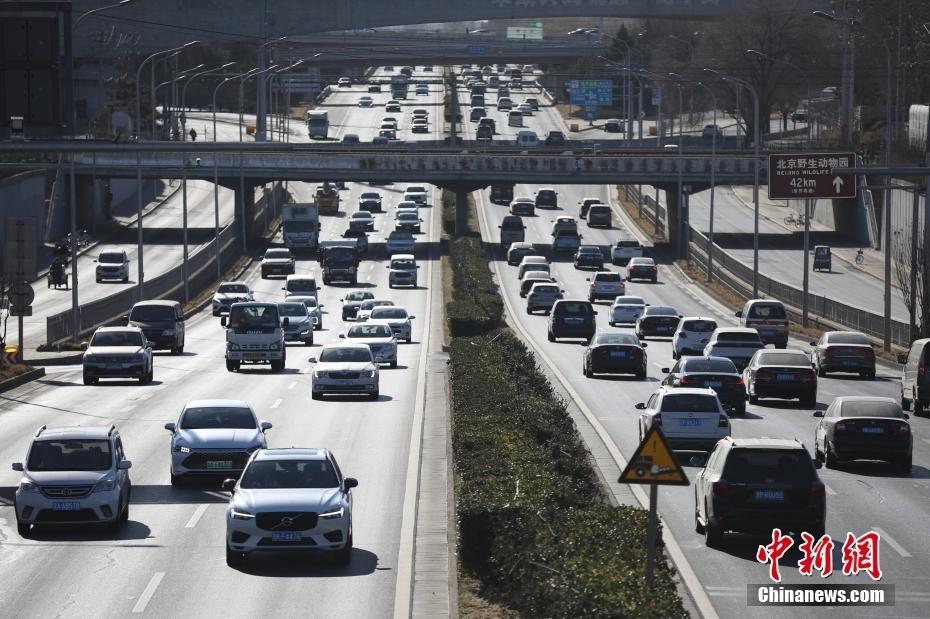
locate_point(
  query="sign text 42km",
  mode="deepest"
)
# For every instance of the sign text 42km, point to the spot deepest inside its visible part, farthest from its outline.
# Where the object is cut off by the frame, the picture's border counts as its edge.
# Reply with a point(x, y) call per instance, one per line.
point(809, 176)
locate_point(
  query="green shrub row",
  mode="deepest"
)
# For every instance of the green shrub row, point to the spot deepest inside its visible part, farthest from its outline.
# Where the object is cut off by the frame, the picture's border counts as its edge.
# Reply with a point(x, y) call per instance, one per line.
point(535, 527)
point(476, 307)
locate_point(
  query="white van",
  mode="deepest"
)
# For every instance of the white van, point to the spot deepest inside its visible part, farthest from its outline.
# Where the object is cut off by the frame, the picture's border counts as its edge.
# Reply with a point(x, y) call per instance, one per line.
point(515, 118)
point(527, 138)
point(300, 285)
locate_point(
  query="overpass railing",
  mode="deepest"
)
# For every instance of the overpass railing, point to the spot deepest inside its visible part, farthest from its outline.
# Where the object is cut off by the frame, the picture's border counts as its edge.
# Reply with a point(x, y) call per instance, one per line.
point(824, 312)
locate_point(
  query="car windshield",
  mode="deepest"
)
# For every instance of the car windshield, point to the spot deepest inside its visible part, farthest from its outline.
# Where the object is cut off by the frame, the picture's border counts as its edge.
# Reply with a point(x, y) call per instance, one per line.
point(278, 254)
point(118, 338)
point(688, 403)
point(629, 301)
point(367, 305)
point(233, 288)
point(345, 355)
point(661, 311)
point(718, 366)
point(631, 244)
point(361, 215)
point(369, 330)
point(151, 313)
point(608, 277)
point(300, 285)
point(299, 225)
point(110, 258)
point(737, 337)
point(272, 474)
point(213, 417)
point(545, 289)
point(358, 296)
point(767, 311)
point(254, 317)
point(403, 265)
point(389, 312)
point(784, 358)
point(574, 307)
point(699, 326)
point(769, 466)
point(292, 310)
point(625, 339)
point(308, 302)
point(73, 455)
point(371, 196)
point(643, 262)
point(587, 249)
point(871, 408)
point(407, 215)
point(848, 338)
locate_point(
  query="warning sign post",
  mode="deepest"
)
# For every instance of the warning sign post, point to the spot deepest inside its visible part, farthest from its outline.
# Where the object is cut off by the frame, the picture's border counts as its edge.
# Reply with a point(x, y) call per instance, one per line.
point(653, 463)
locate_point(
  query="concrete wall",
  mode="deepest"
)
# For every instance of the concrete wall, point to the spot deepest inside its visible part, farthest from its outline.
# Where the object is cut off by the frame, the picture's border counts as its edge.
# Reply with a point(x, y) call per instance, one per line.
point(23, 195)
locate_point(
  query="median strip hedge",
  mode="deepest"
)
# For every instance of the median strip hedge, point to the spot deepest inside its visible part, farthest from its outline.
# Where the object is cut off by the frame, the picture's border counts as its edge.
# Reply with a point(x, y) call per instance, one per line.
point(535, 527)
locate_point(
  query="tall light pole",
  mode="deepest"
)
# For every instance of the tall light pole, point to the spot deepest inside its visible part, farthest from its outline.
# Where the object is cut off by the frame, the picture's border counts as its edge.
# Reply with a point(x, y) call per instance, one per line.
point(713, 183)
point(691, 53)
point(215, 90)
point(174, 80)
point(855, 24)
point(253, 73)
point(261, 103)
point(273, 75)
point(755, 185)
point(184, 93)
point(630, 48)
point(139, 79)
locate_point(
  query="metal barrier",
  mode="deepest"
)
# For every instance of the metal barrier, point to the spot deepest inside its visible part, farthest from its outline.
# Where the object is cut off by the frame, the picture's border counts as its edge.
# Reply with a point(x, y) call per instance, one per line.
point(168, 285)
point(825, 313)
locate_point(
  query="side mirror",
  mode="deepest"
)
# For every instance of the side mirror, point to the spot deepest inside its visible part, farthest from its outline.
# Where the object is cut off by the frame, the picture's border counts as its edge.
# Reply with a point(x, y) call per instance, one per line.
point(266, 425)
point(349, 482)
point(587, 279)
point(311, 360)
point(906, 416)
point(813, 343)
point(640, 406)
point(285, 321)
point(818, 464)
point(222, 321)
point(342, 336)
point(125, 319)
point(739, 314)
point(125, 465)
point(17, 466)
point(665, 370)
point(902, 358)
point(170, 426)
point(149, 345)
point(699, 460)
point(643, 345)
point(229, 485)
point(818, 414)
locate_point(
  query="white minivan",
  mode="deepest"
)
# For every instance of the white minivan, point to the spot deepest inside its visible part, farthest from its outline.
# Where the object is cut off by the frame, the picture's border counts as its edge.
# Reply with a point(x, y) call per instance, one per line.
point(527, 138)
point(515, 118)
point(300, 285)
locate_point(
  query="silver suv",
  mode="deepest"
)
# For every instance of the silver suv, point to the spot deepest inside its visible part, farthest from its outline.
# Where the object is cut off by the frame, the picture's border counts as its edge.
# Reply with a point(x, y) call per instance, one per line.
point(74, 475)
point(290, 499)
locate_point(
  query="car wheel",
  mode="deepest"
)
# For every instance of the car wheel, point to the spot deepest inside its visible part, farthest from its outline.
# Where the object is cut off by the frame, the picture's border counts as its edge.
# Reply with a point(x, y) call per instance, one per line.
point(344, 555)
point(528, 310)
point(641, 375)
point(698, 527)
point(830, 460)
point(394, 364)
point(234, 559)
point(821, 372)
point(918, 407)
point(904, 464)
point(374, 396)
point(905, 403)
point(124, 515)
point(264, 274)
point(550, 337)
point(232, 366)
point(89, 380)
point(98, 280)
point(116, 523)
point(316, 396)
point(277, 365)
point(740, 410)
point(870, 375)
point(176, 480)
point(713, 535)
point(318, 326)
point(308, 342)
point(216, 313)
point(753, 399)
point(809, 400)
point(584, 370)
point(23, 528)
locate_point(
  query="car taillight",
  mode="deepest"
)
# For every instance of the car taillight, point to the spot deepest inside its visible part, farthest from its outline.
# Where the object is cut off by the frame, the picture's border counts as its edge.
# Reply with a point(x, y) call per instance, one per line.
point(903, 428)
point(736, 380)
point(921, 369)
point(657, 419)
point(839, 428)
point(764, 374)
point(818, 488)
point(721, 487)
point(653, 269)
point(687, 381)
point(808, 376)
point(724, 422)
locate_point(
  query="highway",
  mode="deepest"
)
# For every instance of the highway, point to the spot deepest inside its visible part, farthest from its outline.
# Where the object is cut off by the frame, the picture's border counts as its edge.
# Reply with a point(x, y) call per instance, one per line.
point(860, 497)
point(169, 559)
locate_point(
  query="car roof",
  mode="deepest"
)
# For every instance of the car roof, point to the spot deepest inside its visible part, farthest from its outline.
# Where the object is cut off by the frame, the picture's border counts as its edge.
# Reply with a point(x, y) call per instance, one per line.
point(216, 403)
point(535, 259)
point(629, 296)
point(689, 358)
point(344, 345)
point(764, 443)
point(118, 329)
point(666, 389)
point(736, 330)
point(642, 260)
point(73, 432)
point(403, 257)
point(863, 398)
point(765, 351)
point(158, 302)
point(292, 453)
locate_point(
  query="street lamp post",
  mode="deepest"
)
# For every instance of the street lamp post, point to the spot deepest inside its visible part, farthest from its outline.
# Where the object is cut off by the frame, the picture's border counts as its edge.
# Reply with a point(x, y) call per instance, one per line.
point(139, 79)
point(713, 183)
point(261, 104)
point(173, 81)
point(184, 94)
point(243, 79)
point(271, 79)
point(758, 163)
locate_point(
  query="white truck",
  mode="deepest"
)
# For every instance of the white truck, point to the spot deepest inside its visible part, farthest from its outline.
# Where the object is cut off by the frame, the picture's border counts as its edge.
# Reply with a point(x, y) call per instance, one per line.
point(318, 124)
point(301, 226)
point(254, 334)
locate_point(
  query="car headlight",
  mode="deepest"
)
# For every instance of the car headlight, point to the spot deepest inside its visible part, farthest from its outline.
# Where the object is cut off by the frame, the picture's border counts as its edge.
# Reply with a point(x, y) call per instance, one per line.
point(305, 332)
point(273, 346)
point(138, 357)
point(184, 449)
point(241, 515)
point(372, 373)
point(319, 374)
point(168, 332)
point(105, 486)
point(233, 346)
point(90, 358)
point(339, 513)
point(28, 486)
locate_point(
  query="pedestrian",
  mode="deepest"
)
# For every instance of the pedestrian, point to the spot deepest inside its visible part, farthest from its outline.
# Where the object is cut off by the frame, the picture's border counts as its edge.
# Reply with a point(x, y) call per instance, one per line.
point(193, 134)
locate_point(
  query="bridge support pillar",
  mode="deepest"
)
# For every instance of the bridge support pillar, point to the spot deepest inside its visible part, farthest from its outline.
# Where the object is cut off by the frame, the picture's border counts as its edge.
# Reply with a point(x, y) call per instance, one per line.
point(676, 219)
point(461, 212)
point(245, 214)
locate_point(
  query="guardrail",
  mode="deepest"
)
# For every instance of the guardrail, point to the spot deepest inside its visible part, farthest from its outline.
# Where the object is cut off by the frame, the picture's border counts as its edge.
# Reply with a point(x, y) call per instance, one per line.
point(168, 285)
point(824, 312)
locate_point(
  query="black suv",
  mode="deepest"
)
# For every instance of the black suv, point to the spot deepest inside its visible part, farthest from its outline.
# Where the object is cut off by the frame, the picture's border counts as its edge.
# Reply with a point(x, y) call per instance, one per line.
point(756, 485)
point(162, 322)
point(547, 197)
point(501, 194)
point(589, 256)
point(717, 373)
point(571, 318)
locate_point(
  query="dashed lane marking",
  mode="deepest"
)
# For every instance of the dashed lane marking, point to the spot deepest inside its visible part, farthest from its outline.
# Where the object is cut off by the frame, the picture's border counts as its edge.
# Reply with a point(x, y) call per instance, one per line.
point(898, 548)
point(277, 403)
point(292, 385)
point(148, 592)
point(196, 516)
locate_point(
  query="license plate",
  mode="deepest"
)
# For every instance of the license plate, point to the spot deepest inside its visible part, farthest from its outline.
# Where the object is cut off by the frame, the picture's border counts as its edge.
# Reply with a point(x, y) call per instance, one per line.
point(849, 362)
point(770, 495)
point(713, 383)
point(66, 506)
point(254, 355)
point(285, 536)
point(573, 321)
point(114, 366)
point(784, 377)
point(219, 464)
point(661, 329)
point(873, 430)
point(689, 423)
point(766, 331)
point(617, 354)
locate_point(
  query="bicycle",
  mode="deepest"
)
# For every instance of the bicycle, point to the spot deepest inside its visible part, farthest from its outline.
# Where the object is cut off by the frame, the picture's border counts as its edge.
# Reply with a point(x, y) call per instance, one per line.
point(860, 256)
point(793, 220)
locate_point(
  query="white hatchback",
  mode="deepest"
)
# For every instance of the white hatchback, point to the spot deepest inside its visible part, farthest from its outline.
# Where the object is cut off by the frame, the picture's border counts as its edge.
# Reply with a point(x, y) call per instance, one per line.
point(626, 309)
point(690, 418)
point(692, 335)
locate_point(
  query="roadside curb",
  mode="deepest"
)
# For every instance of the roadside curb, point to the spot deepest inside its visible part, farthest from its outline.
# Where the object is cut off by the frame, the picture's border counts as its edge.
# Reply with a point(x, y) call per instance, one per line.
point(22, 379)
point(69, 359)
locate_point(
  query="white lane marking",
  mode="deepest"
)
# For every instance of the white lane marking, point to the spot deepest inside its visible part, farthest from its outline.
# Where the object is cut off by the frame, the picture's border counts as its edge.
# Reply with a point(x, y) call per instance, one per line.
point(659, 364)
point(829, 490)
point(196, 516)
point(292, 385)
point(926, 440)
point(277, 403)
point(217, 494)
point(148, 592)
point(898, 548)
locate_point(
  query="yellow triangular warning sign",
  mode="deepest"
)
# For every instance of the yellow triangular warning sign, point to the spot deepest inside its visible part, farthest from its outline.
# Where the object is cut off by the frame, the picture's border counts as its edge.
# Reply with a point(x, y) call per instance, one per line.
point(654, 463)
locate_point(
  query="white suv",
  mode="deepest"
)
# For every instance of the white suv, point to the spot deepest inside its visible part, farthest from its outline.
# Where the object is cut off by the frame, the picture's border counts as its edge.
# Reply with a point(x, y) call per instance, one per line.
point(345, 368)
point(76, 475)
point(112, 263)
point(690, 418)
point(692, 335)
point(289, 499)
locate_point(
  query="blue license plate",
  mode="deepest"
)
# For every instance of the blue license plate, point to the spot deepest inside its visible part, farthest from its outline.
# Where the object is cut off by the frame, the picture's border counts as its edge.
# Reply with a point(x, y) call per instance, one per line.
point(785, 377)
point(770, 495)
point(873, 430)
point(114, 366)
point(285, 536)
point(66, 506)
point(661, 329)
point(849, 362)
point(617, 354)
point(689, 423)
point(713, 383)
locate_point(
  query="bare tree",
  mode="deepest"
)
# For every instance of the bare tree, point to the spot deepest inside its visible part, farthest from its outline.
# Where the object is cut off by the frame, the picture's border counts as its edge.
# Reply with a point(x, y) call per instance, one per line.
point(904, 265)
